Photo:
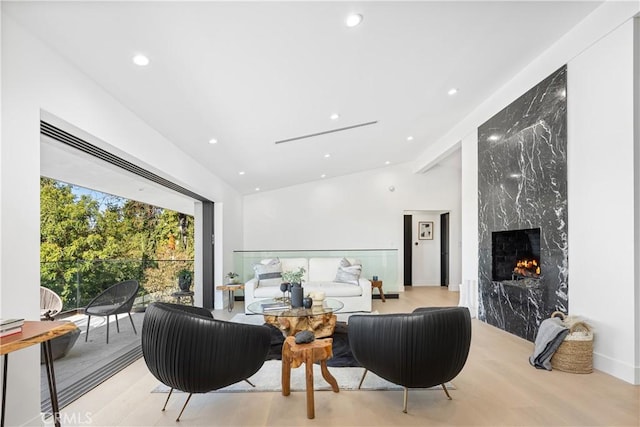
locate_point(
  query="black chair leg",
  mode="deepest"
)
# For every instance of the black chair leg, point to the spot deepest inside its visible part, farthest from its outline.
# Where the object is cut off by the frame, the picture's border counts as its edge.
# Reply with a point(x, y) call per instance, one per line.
point(185, 405)
point(167, 401)
point(132, 325)
point(444, 387)
point(86, 337)
point(364, 374)
point(107, 329)
point(117, 324)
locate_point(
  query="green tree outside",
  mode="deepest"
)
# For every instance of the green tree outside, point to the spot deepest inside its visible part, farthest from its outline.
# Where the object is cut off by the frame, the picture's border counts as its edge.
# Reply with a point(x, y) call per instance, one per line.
point(86, 246)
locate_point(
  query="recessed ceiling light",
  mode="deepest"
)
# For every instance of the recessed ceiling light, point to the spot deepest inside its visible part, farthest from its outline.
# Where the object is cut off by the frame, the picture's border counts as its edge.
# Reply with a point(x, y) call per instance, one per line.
point(213, 141)
point(334, 116)
point(409, 138)
point(452, 91)
point(515, 175)
point(387, 162)
point(323, 175)
point(354, 20)
point(494, 137)
point(326, 156)
point(257, 188)
point(140, 60)
point(241, 173)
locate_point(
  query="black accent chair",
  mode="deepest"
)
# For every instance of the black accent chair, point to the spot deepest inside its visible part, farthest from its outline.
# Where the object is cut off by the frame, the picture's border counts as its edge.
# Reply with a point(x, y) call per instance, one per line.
point(114, 300)
point(186, 349)
point(415, 350)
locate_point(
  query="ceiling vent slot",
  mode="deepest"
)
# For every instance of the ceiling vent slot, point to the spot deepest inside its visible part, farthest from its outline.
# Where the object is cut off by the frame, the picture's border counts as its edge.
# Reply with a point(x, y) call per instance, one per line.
point(311, 135)
point(66, 138)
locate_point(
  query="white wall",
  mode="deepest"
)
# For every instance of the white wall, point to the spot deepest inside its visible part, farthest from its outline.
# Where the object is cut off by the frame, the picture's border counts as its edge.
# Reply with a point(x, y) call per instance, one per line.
point(599, 54)
point(33, 79)
point(600, 88)
point(425, 256)
point(353, 212)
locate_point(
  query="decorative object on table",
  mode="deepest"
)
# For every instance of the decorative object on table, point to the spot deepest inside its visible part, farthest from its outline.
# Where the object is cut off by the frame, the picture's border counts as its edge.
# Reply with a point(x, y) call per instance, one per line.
point(296, 295)
point(575, 353)
point(304, 337)
point(307, 302)
point(375, 278)
point(295, 279)
point(285, 287)
point(233, 277)
point(185, 278)
point(318, 298)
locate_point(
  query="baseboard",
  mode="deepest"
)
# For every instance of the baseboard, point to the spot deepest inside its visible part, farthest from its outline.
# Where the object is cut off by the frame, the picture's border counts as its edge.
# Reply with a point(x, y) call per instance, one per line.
point(386, 296)
point(617, 368)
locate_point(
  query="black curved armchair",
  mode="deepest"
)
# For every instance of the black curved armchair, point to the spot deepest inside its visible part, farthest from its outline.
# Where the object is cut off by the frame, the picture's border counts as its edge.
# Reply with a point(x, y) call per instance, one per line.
point(415, 350)
point(114, 300)
point(187, 349)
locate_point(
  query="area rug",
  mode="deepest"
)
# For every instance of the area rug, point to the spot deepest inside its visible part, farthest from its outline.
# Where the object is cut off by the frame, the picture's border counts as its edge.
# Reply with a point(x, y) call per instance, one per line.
point(268, 378)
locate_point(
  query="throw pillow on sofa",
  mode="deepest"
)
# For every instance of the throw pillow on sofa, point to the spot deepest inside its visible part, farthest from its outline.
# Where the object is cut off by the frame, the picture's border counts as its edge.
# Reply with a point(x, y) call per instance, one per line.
point(269, 274)
point(348, 273)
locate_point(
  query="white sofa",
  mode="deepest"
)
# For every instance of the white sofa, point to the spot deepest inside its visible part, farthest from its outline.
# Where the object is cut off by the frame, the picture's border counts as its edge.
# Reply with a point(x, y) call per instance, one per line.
point(319, 276)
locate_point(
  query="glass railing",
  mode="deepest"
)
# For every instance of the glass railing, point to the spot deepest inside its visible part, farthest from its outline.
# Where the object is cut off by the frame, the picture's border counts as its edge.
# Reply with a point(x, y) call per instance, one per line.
point(78, 282)
point(375, 262)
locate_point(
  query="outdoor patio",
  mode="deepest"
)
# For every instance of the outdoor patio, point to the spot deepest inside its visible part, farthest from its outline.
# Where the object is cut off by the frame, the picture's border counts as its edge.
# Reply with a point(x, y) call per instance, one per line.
point(90, 363)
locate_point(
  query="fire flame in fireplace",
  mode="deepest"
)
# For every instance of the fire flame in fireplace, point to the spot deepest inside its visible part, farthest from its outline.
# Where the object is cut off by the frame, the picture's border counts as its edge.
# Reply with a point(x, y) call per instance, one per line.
point(527, 267)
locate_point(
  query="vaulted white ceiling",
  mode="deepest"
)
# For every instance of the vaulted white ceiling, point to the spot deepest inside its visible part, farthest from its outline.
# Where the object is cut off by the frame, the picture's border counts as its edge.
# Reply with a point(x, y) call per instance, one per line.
point(250, 74)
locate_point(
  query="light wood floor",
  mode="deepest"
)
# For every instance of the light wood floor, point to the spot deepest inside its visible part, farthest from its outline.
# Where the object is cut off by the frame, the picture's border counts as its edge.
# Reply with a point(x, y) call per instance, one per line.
point(496, 387)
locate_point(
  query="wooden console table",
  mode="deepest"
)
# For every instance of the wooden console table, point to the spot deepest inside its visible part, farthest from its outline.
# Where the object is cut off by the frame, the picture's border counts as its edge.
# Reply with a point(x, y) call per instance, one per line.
point(35, 332)
point(231, 288)
point(378, 284)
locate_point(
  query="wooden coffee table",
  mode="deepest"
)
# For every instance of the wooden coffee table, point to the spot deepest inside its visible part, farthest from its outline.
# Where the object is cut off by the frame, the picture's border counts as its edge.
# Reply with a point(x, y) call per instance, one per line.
point(318, 319)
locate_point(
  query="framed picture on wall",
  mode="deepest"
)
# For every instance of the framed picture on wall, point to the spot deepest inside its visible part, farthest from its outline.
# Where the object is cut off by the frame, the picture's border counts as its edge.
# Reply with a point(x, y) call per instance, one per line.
point(425, 230)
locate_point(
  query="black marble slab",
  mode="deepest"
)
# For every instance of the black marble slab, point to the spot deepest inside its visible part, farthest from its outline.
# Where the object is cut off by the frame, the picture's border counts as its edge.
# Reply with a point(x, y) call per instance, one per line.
point(522, 184)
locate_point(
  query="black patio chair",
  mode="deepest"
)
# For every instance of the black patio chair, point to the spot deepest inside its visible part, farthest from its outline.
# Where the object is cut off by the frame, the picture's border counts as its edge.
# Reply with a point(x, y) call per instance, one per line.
point(415, 350)
point(116, 299)
point(186, 349)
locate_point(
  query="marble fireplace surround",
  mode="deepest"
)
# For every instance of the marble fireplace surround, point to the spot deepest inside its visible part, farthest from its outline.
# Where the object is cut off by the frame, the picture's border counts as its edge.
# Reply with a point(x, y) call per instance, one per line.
point(522, 184)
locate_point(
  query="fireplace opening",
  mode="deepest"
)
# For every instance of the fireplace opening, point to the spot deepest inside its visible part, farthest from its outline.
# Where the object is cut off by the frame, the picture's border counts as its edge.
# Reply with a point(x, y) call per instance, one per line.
point(515, 254)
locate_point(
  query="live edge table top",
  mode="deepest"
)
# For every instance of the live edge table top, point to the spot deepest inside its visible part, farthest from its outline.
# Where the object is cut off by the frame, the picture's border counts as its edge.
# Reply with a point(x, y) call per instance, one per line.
point(34, 332)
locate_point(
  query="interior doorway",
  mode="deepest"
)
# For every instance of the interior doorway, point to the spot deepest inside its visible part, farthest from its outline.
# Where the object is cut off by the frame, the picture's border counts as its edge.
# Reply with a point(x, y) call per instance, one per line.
point(426, 248)
point(444, 249)
point(408, 252)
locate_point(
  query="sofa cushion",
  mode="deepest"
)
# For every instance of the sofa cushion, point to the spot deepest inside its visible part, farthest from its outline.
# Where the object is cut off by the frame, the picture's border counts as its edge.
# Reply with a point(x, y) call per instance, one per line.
point(348, 273)
point(333, 289)
point(269, 274)
point(323, 269)
point(330, 289)
point(267, 292)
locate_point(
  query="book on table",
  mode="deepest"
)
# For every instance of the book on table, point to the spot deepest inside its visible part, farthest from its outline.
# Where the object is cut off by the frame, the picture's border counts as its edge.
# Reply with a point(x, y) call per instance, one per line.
point(10, 326)
point(6, 324)
point(274, 306)
point(12, 331)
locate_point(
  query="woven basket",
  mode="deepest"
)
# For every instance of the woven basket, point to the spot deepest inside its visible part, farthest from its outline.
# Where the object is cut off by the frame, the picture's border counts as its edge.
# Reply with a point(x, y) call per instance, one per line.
point(575, 354)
